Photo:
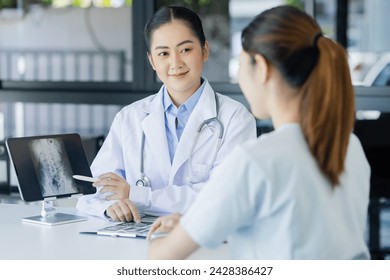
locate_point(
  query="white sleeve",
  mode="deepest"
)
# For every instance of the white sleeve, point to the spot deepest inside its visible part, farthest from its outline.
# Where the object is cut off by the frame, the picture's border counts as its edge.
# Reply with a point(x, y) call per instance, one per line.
point(96, 204)
point(171, 199)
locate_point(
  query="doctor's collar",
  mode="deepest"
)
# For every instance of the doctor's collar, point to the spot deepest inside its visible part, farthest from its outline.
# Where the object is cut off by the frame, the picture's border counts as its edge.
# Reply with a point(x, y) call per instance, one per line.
point(189, 104)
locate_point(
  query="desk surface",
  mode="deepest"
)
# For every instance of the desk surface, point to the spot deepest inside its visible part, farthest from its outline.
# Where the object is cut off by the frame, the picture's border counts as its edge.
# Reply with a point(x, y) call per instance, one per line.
point(24, 241)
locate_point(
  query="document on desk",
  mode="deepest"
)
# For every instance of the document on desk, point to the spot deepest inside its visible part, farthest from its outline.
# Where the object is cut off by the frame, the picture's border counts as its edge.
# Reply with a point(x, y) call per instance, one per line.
point(126, 229)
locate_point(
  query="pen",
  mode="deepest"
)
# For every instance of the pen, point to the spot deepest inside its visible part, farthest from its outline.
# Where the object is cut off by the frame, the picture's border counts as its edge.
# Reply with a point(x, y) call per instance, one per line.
point(85, 178)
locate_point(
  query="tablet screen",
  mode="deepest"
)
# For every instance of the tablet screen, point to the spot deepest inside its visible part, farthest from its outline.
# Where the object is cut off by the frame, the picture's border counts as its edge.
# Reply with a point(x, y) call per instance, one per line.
point(45, 165)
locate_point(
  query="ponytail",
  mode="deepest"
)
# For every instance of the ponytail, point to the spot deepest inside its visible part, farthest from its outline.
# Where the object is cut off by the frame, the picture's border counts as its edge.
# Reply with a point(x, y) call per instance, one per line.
point(327, 109)
point(317, 67)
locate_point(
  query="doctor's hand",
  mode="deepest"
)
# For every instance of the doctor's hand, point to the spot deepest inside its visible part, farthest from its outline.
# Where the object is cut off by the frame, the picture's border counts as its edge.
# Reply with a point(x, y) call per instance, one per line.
point(123, 211)
point(164, 224)
point(115, 184)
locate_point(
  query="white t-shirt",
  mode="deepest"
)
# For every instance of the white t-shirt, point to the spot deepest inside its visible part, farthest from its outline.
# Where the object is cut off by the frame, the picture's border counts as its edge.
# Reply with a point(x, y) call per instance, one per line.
point(270, 201)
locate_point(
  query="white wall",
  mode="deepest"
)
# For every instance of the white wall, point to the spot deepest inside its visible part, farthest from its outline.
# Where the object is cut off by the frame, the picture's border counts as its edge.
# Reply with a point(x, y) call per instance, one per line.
point(67, 29)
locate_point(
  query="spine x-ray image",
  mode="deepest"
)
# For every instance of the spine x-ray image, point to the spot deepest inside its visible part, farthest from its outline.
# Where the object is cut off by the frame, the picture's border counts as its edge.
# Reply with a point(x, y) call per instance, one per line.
point(52, 167)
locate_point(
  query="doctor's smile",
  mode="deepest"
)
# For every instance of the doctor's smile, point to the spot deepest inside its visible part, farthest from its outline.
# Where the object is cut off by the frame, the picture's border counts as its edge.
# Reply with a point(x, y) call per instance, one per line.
point(178, 75)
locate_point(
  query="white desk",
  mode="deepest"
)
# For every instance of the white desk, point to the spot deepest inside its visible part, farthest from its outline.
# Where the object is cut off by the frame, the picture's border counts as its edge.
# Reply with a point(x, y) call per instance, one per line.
point(25, 241)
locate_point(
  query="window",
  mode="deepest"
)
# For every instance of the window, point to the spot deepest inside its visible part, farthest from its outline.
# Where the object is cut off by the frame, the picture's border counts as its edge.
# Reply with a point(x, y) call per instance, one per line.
point(66, 43)
point(52, 44)
point(368, 42)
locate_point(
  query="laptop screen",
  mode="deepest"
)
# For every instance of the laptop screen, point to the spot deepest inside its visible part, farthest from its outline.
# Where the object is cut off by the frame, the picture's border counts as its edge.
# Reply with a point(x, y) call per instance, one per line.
point(44, 166)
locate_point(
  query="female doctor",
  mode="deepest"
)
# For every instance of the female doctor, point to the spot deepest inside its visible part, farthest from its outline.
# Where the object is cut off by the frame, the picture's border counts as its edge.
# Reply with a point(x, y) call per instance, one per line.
point(161, 150)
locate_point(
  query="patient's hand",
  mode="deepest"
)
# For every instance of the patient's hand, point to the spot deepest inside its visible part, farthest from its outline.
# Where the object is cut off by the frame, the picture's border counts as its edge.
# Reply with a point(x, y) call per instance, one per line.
point(164, 224)
point(115, 184)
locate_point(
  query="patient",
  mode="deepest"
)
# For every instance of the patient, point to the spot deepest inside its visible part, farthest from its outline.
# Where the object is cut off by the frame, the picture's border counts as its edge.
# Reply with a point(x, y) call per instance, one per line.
point(301, 191)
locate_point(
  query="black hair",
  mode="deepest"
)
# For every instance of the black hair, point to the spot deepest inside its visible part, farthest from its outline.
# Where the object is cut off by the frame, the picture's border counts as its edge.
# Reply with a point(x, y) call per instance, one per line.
point(168, 14)
point(284, 36)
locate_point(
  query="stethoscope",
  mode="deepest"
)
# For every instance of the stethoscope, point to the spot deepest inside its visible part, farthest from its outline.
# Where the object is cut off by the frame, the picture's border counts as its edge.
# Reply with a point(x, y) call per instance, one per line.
point(143, 180)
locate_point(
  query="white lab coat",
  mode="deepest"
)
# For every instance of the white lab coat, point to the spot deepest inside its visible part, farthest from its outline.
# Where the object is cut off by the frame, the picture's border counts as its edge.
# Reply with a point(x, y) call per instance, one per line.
point(170, 190)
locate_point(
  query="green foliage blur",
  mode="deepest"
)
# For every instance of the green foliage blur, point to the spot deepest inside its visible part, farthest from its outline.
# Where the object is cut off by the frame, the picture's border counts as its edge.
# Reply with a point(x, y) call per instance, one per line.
point(296, 3)
point(200, 6)
point(47, 3)
point(7, 4)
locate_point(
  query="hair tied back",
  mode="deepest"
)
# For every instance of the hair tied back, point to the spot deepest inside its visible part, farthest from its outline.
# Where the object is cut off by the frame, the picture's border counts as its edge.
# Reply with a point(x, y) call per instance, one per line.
point(316, 37)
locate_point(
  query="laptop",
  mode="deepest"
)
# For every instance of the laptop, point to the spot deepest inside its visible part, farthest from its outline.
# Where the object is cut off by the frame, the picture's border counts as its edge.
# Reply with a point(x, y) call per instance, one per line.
point(44, 166)
point(129, 229)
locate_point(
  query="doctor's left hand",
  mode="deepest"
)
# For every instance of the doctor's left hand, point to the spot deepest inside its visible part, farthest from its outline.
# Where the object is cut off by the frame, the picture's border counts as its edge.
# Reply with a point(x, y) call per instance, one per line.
point(113, 183)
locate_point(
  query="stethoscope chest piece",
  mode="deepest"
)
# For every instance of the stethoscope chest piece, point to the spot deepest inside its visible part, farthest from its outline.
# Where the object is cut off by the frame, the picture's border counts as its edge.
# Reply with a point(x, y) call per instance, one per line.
point(143, 181)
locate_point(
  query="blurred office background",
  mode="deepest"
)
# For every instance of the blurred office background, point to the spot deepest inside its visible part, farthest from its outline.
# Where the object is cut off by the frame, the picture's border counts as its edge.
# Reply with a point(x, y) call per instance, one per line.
point(71, 65)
